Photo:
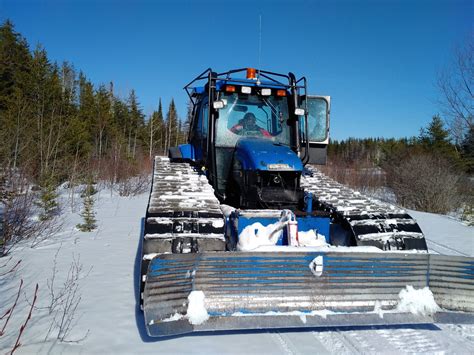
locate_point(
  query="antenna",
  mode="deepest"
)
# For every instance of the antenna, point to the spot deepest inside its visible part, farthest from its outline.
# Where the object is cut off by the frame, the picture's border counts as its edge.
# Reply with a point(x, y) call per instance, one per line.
point(259, 46)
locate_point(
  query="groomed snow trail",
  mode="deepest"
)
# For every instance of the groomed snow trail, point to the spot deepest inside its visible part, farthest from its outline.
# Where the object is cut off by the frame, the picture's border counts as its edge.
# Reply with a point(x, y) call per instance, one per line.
point(109, 310)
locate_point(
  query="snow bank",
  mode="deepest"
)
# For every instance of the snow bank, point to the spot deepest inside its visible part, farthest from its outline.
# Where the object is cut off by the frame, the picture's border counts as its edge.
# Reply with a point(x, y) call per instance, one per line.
point(415, 301)
point(197, 313)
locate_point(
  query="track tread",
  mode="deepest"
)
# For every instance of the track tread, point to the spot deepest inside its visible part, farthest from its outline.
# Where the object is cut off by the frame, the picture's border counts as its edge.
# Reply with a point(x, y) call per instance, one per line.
point(368, 218)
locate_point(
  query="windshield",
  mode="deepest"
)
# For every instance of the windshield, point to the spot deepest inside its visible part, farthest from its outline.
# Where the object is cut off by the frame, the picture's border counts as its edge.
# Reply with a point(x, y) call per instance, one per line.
point(252, 116)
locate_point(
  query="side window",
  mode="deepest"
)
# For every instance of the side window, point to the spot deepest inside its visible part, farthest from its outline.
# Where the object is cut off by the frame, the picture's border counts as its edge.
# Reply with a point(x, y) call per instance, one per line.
point(318, 118)
point(200, 124)
point(204, 118)
point(194, 124)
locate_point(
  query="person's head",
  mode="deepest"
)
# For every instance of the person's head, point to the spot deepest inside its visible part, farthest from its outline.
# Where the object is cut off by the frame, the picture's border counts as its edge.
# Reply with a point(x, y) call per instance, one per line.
point(249, 120)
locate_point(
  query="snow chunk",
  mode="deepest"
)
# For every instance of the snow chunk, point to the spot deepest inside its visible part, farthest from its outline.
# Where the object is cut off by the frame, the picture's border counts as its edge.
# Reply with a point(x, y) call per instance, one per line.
point(415, 301)
point(218, 223)
point(311, 239)
point(378, 309)
point(150, 256)
point(173, 318)
point(227, 210)
point(316, 266)
point(257, 235)
point(197, 313)
point(323, 313)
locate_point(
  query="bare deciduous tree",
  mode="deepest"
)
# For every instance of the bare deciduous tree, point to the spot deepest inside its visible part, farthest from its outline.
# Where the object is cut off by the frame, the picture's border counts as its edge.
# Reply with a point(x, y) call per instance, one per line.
point(23, 326)
point(426, 182)
point(64, 301)
point(456, 85)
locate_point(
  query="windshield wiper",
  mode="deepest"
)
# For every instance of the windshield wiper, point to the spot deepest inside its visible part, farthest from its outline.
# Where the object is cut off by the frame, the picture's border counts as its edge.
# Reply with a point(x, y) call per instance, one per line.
point(274, 110)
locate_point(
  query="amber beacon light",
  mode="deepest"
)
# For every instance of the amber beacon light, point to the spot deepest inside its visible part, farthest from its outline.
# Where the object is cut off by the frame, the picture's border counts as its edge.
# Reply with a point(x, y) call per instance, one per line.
point(251, 73)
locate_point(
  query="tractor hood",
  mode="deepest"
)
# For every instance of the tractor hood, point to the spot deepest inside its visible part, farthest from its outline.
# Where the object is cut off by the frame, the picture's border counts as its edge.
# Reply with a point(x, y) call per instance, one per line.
point(263, 154)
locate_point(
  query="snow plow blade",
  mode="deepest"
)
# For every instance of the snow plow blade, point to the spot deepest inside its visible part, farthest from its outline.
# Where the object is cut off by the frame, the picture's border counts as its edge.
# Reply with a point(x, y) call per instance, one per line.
point(239, 290)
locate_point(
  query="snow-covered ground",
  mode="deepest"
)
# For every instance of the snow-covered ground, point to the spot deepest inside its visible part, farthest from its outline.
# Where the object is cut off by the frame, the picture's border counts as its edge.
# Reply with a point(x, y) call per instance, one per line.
point(109, 320)
point(446, 235)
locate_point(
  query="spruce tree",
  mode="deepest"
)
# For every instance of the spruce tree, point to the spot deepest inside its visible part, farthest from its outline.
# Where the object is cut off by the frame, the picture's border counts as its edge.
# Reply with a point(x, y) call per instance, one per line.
point(88, 213)
point(467, 151)
point(435, 139)
point(172, 125)
point(47, 201)
point(136, 124)
point(155, 129)
point(104, 117)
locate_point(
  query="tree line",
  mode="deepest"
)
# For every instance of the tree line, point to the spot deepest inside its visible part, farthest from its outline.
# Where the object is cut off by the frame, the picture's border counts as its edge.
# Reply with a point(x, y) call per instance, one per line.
point(430, 172)
point(433, 139)
point(55, 123)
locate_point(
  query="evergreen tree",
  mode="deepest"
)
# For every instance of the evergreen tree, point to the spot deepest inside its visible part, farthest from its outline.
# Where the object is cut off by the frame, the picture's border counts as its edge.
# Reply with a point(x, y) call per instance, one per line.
point(54, 122)
point(15, 62)
point(104, 118)
point(435, 139)
point(172, 126)
point(48, 196)
point(467, 151)
point(136, 124)
point(155, 129)
point(88, 213)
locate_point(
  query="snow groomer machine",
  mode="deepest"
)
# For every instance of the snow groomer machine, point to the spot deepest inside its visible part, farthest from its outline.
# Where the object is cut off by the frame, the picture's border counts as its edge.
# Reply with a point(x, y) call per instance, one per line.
point(242, 231)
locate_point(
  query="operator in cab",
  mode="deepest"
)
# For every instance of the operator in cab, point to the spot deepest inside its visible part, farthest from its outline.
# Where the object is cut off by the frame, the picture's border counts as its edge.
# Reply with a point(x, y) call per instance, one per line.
point(248, 126)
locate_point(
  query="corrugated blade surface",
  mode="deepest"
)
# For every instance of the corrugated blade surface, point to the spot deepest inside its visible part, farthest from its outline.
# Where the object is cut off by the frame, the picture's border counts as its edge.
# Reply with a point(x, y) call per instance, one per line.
point(451, 279)
point(240, 284)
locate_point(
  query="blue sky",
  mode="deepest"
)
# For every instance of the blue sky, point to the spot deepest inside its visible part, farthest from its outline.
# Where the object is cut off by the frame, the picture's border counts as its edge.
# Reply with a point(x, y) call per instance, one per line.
point(378, 60)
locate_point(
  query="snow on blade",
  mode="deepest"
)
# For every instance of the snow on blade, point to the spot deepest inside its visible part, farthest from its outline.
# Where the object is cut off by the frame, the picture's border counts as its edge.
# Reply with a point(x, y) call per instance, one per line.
point(256, 235)
point(378, 309)
point(417, 301)
point(311, 239)
point(197, 313)
point(150, 256)
point(173, 318)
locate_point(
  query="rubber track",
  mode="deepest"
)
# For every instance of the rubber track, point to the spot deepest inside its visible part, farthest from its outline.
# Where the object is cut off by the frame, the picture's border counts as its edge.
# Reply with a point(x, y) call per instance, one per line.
point(182, 203)
point(369, 219)
point(181, 208)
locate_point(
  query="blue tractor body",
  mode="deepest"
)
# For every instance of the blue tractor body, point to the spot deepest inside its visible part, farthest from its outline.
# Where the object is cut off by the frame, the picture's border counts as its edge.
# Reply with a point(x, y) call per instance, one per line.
point(262, 155)
point(255, 168)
